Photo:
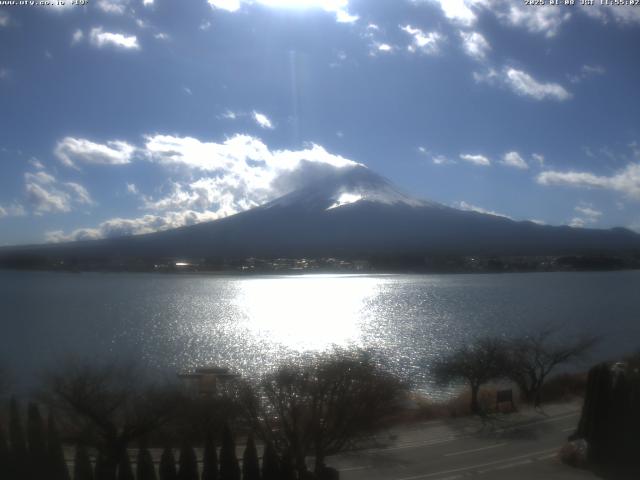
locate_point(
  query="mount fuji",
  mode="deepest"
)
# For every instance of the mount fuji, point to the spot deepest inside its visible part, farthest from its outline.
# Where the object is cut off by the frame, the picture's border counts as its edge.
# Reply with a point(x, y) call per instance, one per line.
point(350, 212)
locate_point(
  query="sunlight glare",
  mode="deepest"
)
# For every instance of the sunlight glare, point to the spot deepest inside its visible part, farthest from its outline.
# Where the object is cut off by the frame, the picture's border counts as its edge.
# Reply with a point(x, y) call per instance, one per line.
point(328, 5)
point(307, 312)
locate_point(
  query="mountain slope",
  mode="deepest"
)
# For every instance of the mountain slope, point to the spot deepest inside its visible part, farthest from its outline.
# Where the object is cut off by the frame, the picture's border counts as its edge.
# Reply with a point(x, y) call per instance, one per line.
point(352, 212)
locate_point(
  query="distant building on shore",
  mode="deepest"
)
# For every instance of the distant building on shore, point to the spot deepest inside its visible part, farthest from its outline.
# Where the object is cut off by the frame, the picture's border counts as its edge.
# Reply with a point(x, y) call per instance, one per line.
point(207, 381)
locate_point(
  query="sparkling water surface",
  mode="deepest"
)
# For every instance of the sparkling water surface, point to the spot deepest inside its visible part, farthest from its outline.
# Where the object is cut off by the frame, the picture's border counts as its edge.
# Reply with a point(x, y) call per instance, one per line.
point(170, 323)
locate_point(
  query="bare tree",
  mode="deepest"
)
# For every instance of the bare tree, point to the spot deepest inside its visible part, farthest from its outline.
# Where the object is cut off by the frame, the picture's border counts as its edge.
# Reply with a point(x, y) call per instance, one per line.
point(533, 357)
point(109, 404)
point(322, 406)
point(476, 364)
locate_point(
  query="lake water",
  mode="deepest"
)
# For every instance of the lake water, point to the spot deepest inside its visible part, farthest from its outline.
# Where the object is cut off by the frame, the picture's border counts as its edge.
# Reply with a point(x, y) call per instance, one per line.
point(175, 322)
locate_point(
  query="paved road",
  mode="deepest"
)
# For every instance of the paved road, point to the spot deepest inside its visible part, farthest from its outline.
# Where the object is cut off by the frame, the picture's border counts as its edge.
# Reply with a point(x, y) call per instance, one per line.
point(519, 446)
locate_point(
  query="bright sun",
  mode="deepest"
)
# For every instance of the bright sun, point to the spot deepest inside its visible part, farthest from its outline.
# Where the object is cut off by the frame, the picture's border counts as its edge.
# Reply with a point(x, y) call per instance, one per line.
point(329, 5)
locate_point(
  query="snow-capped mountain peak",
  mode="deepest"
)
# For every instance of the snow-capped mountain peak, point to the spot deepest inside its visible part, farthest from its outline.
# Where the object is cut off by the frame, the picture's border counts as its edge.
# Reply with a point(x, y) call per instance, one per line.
point(346, 186)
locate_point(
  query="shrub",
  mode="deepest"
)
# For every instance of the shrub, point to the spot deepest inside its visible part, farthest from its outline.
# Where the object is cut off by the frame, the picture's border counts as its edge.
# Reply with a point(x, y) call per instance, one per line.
point(82, 469)
point(210, 460)
point(250, 465)
point(188, 463)
point(145, 469)
point(229, 468)
point(270, 463)
point(37, 442)
point(19, 454)
point(57, 465)
point(168, 465)
point(125, 472)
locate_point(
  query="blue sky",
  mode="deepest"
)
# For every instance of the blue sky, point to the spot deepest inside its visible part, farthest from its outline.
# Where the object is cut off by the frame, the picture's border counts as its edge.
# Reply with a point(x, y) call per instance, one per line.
point(130, 116)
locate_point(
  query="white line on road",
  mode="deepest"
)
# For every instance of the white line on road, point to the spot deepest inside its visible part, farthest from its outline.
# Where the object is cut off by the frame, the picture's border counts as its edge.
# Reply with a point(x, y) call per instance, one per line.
point(352, 469)
point(506, 466)
point(547, 457)
point(454, 454)
point(475, 467)
point(452, 438)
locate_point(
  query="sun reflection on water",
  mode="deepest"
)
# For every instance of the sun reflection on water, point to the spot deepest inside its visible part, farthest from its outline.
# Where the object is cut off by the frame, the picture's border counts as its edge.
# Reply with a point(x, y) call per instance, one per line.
point(302, 313)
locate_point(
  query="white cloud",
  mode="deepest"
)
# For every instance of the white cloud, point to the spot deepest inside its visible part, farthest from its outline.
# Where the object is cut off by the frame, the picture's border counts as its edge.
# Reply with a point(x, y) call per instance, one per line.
point(476, 159)
point(587, 216)
point(475, 45)
point(44, 200)
point(236, 154)
point(35, 163)
point(427, 43)
point(622, 14)
point(77, 37)
point(436, 159)
point(515, 160)
point(117, 227)
point(45, 194)
point(458, 11)
point(161, 36)
point(525, 85)
point(374, 36)
point(342, 16)
point(441, 160)
point(214, 180)
point(489, 76)
point(588, 211)
point(545, 19)
point(384, 47)
point(71, 151)
point(228, 5)
point(115, 7)
point(577, 222)
point(262, 120)
point(4, 73)
point(147, 3)
point(337, 7)
point(585, 72)
point(80, 194)
point(625, 181)
point(462, 205)
point(42, 178)
point(99, 38)
point(229, 115)
point(13, 210)
point(538, 158)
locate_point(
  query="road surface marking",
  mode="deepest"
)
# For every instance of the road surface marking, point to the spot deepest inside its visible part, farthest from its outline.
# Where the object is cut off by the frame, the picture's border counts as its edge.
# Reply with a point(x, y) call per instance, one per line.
point(417, 445)
point(351, 469)
point(452, 438)
point(547, 457)
point(506, 466)
point(475, 450)
point(476, 467)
